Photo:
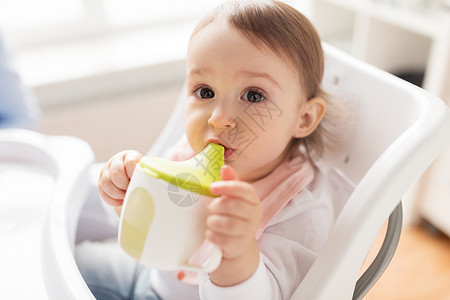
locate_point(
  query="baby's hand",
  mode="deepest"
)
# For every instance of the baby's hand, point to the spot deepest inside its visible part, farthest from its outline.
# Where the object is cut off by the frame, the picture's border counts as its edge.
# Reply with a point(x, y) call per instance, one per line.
point(115, 176)
point(231, 225)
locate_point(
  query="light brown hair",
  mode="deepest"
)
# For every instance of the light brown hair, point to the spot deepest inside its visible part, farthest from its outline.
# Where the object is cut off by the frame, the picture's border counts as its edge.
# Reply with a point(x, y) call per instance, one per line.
point(290, 35)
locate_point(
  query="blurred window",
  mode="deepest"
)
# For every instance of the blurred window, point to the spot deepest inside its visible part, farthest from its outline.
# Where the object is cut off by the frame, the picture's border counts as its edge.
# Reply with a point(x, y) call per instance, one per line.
point(133, 12)
point(30, 22)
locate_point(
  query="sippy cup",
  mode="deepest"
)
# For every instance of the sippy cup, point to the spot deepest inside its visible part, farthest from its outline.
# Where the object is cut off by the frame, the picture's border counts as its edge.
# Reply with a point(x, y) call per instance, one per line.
point(163, 218)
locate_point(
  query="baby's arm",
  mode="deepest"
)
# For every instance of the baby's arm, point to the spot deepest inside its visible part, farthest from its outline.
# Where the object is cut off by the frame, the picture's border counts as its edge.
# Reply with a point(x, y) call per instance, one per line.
point(115, 177)
point(233, 220)
point(288, 247)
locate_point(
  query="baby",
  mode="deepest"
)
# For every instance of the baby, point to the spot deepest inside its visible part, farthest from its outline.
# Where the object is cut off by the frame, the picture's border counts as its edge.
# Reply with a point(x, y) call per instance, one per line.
point(254, 70)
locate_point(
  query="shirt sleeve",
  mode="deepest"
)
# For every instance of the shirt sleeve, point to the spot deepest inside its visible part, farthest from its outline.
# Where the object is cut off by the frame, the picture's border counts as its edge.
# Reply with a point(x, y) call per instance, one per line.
point(258, 287)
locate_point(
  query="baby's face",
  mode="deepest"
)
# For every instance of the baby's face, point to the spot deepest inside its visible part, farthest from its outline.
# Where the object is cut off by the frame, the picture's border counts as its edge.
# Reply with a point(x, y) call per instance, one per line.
point(242, 96)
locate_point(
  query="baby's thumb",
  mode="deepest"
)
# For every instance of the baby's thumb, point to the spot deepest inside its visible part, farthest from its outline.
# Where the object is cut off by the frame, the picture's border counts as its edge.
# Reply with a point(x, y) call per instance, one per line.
point(227, 173)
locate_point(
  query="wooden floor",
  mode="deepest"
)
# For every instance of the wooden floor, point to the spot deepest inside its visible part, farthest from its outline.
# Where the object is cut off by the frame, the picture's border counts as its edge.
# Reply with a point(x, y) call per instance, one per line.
point(420, 269)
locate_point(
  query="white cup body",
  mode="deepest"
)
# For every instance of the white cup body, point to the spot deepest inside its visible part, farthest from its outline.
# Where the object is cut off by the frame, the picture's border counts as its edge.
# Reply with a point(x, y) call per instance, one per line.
point(163, 225)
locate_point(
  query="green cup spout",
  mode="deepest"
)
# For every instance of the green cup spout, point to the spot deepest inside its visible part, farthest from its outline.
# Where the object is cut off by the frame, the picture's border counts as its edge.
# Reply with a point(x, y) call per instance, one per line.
point(195, 174)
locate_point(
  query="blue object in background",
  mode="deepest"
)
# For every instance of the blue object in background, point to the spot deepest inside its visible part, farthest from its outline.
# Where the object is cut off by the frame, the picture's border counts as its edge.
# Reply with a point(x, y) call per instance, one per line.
point(18, 107)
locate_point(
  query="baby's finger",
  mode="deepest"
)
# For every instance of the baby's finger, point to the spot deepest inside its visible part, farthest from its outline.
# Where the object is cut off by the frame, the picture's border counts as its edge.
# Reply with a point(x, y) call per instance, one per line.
point(111, 201)
point(231, 246)
point(228, 173)
point(108, 187)
point(231, 207)
point(118, 175)
point(235, 189)
point(227, 226)
point(130, 161)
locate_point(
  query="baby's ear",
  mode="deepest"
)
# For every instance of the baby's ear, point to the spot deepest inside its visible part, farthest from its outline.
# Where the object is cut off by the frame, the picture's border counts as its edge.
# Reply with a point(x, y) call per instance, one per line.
point(311, 114)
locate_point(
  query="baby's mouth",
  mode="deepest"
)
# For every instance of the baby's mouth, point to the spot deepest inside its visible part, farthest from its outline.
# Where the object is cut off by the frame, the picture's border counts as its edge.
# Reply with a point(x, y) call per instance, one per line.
point(228, 153)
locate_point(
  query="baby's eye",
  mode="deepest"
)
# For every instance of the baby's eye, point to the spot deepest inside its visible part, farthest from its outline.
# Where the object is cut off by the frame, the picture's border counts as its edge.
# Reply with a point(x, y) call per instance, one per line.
point(253, 96)
point(204, 93)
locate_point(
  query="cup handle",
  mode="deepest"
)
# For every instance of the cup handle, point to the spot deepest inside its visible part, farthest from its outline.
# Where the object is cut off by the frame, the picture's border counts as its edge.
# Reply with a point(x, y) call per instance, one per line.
point(206, 259)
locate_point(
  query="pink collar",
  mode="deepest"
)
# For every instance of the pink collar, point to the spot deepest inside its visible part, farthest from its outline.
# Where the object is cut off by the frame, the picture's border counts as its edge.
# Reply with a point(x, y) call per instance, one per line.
point(280, 186)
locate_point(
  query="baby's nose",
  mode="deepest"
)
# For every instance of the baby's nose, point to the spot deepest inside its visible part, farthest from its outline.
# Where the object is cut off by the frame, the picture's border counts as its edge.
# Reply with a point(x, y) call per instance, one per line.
point(223, 116)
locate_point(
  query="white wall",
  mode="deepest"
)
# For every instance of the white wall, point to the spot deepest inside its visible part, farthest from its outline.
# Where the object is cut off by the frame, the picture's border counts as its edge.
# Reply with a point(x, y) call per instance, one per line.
point(114, 123)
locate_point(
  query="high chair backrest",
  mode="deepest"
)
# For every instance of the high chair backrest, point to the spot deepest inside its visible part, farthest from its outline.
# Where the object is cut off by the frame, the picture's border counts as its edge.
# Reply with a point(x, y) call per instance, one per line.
point(391, 133)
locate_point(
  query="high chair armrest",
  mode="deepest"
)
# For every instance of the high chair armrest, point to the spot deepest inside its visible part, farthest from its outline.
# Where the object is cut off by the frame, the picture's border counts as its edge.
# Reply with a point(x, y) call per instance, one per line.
point(384, 256)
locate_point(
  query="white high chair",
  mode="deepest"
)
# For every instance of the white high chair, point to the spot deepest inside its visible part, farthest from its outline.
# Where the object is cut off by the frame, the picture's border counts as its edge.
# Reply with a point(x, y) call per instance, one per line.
point(34, 169)
point(396, 131)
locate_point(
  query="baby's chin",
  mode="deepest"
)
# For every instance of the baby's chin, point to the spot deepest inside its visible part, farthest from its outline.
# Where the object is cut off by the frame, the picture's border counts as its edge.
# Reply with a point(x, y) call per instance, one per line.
point(242, 173)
